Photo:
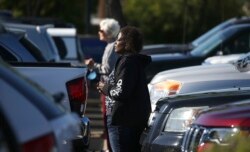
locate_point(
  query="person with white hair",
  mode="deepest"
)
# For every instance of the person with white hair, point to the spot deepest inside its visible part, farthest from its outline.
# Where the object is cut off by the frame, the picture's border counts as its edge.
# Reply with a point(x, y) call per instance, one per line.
point(108, 31)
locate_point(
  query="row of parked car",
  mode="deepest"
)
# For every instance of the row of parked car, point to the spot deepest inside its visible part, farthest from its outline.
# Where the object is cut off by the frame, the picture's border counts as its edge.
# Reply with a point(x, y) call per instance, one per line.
point(230, 37)
point(44, 81)
point(201, 104)
point(43, 88)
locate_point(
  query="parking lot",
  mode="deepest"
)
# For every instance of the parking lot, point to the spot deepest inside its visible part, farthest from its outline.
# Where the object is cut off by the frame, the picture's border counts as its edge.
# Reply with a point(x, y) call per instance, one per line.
point(93, 111)
point(199, 87)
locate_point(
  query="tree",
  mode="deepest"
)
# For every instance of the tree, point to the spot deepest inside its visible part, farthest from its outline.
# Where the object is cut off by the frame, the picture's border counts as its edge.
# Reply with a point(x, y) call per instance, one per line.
point(181, 21)
point(70, 11)
point(162, 21)
point(115, 11)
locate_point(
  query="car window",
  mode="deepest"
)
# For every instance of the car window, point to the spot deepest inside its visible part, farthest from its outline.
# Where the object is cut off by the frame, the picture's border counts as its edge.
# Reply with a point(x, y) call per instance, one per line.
point(240, 44)
point(67, 47)
point(32, 49)
point(215, 44)
point(211, 32)
point(207, 46)
point(62, 50)
point(6, 55)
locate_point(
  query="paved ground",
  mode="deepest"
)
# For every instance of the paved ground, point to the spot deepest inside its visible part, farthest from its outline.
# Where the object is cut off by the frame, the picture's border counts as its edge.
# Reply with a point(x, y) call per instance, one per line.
point(93, 111)
point(97, 142)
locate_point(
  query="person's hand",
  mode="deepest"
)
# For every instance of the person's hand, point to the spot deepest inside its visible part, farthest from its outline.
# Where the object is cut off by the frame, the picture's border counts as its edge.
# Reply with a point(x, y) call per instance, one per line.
point(90, 63)
point(100, 86)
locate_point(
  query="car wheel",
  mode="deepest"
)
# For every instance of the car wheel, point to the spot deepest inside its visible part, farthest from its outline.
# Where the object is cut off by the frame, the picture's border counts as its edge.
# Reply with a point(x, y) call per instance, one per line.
point(8, 142)
point(3, 142)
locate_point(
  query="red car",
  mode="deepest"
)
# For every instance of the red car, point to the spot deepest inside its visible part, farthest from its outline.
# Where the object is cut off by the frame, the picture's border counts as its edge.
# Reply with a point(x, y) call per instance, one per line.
point(224, 128)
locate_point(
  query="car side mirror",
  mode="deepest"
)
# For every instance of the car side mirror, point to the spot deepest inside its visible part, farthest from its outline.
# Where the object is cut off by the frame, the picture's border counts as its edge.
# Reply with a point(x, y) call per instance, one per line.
point(219, 53)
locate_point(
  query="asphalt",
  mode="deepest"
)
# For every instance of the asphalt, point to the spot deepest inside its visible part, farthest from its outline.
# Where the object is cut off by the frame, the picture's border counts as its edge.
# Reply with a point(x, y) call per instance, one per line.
point(98, 142)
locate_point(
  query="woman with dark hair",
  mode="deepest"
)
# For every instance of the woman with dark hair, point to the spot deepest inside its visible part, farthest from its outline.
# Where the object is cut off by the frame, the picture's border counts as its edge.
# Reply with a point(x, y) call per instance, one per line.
point(127, 101)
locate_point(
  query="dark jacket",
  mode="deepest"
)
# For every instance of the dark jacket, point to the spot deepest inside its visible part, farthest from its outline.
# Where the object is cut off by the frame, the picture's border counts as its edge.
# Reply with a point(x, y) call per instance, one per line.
point(132, 103)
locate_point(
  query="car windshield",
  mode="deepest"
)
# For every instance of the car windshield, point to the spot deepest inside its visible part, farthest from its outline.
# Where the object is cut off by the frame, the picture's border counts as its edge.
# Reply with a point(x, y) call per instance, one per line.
point(211, 32)
point(208, 46)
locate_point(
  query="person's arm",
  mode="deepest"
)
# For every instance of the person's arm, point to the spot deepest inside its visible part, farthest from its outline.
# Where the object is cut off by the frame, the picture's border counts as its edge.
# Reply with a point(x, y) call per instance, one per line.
point(108, 62)
point(90, 63)
point(125, 81)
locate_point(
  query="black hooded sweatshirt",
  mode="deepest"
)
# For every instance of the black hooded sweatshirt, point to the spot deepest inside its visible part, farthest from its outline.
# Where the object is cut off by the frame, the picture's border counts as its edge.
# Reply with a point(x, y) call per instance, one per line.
point(130, 92)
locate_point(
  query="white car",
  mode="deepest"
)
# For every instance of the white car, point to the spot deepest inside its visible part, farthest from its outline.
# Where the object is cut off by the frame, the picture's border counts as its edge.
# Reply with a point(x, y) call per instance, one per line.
point(200, 78)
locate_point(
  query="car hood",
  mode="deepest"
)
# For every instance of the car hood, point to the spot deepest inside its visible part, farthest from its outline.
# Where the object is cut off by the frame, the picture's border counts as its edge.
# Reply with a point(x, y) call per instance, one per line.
point(226, 116)
point(168, 56)
point(197, 71)
point(166, 48)
point(195, 79)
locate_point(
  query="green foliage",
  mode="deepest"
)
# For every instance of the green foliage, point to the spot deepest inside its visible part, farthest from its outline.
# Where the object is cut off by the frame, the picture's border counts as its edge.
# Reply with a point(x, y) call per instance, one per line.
point(154, 18)
point(72, 11)
point(162, 21)
point(167, 21)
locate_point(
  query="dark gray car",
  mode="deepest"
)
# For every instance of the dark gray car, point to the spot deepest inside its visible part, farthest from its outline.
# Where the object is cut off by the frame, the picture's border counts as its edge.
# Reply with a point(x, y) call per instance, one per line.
point(232, 40)
point(174, 48)
point(173, 115)
point(166, 131)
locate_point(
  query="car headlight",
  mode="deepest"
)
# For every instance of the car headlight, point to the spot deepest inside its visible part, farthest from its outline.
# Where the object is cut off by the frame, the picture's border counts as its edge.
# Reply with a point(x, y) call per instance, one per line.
point(163, 89)
point(181, 118)
point(221, 137)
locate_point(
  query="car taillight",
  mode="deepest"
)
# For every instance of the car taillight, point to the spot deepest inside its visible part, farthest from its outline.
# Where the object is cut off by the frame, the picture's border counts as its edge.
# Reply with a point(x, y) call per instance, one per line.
point(77, 90)
point(77, 93)
point(42, 144)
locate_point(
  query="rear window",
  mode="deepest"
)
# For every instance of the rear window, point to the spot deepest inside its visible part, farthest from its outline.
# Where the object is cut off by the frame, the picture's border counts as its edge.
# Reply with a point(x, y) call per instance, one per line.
point(32, 49)
point(6, 55)
point(67, 47)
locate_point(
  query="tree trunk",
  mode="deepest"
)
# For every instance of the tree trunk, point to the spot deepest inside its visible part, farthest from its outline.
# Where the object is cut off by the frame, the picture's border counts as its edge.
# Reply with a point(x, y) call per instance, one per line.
point(101, 9)
point(185, 15)
point(202, 17)
point(114, 10)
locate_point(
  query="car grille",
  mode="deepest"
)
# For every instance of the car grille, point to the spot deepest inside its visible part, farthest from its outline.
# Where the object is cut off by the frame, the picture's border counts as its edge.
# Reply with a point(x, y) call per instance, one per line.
point(192, 138)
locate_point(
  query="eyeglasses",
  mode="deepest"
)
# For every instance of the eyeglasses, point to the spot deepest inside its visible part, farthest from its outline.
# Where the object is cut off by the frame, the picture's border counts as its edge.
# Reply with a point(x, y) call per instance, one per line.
point(101, 31)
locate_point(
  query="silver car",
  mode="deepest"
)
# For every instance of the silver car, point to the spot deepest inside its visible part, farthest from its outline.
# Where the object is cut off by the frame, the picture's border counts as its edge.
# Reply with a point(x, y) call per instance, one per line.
point(200, 78)
point(31, 120)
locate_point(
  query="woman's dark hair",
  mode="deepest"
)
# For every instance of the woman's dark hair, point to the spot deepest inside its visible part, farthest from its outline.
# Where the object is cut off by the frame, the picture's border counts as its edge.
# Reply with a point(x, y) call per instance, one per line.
point(133, 38)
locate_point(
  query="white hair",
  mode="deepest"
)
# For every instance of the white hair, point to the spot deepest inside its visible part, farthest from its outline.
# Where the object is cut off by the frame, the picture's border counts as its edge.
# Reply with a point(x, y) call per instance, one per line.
point(110, 26)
